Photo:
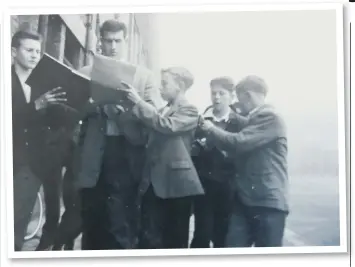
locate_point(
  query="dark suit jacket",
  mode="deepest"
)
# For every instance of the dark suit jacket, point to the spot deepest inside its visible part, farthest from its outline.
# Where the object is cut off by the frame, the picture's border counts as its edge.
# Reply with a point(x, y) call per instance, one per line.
point(91, 138)
point(169, 167)
point(261, 152)
point(38, 135)
point(213, 163)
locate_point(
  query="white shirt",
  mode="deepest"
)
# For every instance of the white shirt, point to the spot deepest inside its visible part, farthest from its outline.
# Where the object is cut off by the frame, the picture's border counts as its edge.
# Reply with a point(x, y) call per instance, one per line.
point(210, 114)
point(25, 87)
point(26, 90)
point(112, 128)
point(225, 118)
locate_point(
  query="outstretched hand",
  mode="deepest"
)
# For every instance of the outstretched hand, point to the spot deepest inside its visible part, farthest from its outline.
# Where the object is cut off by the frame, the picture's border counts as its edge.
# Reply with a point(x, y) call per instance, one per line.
point(51, 98)
point(131, 92)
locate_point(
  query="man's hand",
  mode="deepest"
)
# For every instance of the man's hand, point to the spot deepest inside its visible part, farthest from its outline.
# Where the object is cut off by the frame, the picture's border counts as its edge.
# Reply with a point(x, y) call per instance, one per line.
point(50, 98)
point(132, 93)
point(112, 110)
point(202, 142)
point(205, 125)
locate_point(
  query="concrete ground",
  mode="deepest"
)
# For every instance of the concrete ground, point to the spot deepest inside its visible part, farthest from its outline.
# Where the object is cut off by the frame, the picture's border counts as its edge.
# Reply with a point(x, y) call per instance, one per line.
point(313, 220)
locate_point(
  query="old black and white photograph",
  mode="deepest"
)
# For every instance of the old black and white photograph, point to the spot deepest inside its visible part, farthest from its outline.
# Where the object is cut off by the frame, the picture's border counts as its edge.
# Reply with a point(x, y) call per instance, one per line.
point(176, 132)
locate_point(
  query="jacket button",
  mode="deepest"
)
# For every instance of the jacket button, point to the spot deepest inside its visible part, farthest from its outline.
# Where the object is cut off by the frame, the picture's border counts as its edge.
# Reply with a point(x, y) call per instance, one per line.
point(25, 130)
point(253, 187)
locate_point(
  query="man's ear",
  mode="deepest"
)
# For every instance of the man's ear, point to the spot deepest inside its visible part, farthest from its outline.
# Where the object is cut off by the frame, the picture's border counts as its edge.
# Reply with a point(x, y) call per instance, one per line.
point(13, 51)
point(248, 95)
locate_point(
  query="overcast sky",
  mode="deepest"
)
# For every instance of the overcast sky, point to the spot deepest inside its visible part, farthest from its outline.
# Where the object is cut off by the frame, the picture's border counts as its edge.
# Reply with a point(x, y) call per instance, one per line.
point(294, 51)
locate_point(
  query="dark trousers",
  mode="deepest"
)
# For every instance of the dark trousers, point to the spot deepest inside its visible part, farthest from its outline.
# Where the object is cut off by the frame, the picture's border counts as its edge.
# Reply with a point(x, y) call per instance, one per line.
point(212, 212)
point(26, 186)
point(164, 222)
point(51, 179)
point(70, 224)
point(110, 209)
point(258, 226)
point(52, 189)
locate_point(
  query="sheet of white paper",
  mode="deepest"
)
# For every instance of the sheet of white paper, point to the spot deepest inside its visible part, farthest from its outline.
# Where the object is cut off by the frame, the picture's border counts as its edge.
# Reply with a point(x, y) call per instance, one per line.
point(109, 72)
point(106, 77)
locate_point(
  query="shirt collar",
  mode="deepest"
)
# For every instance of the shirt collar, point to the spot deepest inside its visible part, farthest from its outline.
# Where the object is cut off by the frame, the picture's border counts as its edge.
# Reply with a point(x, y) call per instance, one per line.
point(209, 114)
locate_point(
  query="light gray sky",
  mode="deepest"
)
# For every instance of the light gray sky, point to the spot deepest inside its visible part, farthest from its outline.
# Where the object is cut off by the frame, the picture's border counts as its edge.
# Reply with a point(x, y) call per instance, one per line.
point(294, 51)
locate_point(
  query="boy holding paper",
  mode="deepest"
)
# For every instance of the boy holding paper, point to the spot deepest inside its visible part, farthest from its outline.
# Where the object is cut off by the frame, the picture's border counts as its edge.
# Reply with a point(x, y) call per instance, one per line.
point(169, 177)
point(109, 158)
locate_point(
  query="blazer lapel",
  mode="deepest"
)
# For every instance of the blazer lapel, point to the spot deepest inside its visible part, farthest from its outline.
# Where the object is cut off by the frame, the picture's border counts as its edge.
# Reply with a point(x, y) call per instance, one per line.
point(171, 110)
point(17, 89)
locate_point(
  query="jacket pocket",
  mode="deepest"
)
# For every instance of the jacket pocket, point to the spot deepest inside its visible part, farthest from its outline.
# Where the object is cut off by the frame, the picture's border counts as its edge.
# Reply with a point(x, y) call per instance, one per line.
point(180, 164)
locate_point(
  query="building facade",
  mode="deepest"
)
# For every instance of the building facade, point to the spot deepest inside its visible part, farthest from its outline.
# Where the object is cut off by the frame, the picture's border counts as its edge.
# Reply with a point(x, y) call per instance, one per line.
point(72, 39)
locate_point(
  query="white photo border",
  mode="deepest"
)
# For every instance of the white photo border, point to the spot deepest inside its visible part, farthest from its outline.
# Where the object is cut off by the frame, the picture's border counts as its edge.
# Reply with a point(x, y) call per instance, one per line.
point(7, 149)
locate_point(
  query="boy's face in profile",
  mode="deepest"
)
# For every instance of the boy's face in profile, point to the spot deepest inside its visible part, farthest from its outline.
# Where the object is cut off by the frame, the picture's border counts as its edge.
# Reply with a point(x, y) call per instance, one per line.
point(170, 87)
point(221, 98)
point(245, 99)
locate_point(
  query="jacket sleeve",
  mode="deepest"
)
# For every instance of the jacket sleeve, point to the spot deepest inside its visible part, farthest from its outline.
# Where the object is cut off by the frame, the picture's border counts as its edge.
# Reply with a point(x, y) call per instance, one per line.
point(184, 119)
point(151, 93)
point(241, 121)
point(260, 130)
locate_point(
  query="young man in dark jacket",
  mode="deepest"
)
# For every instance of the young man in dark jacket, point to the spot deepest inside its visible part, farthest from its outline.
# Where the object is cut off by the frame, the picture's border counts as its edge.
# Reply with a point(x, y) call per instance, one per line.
point(215, 169)
point(260, 204)
point(37, 140)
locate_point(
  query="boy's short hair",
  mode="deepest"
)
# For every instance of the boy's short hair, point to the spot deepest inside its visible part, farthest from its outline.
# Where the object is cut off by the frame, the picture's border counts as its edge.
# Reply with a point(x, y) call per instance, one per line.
point(21, 35)
point(252, 83)
point(224, 81)
point(113, 25)
point(181, 74)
